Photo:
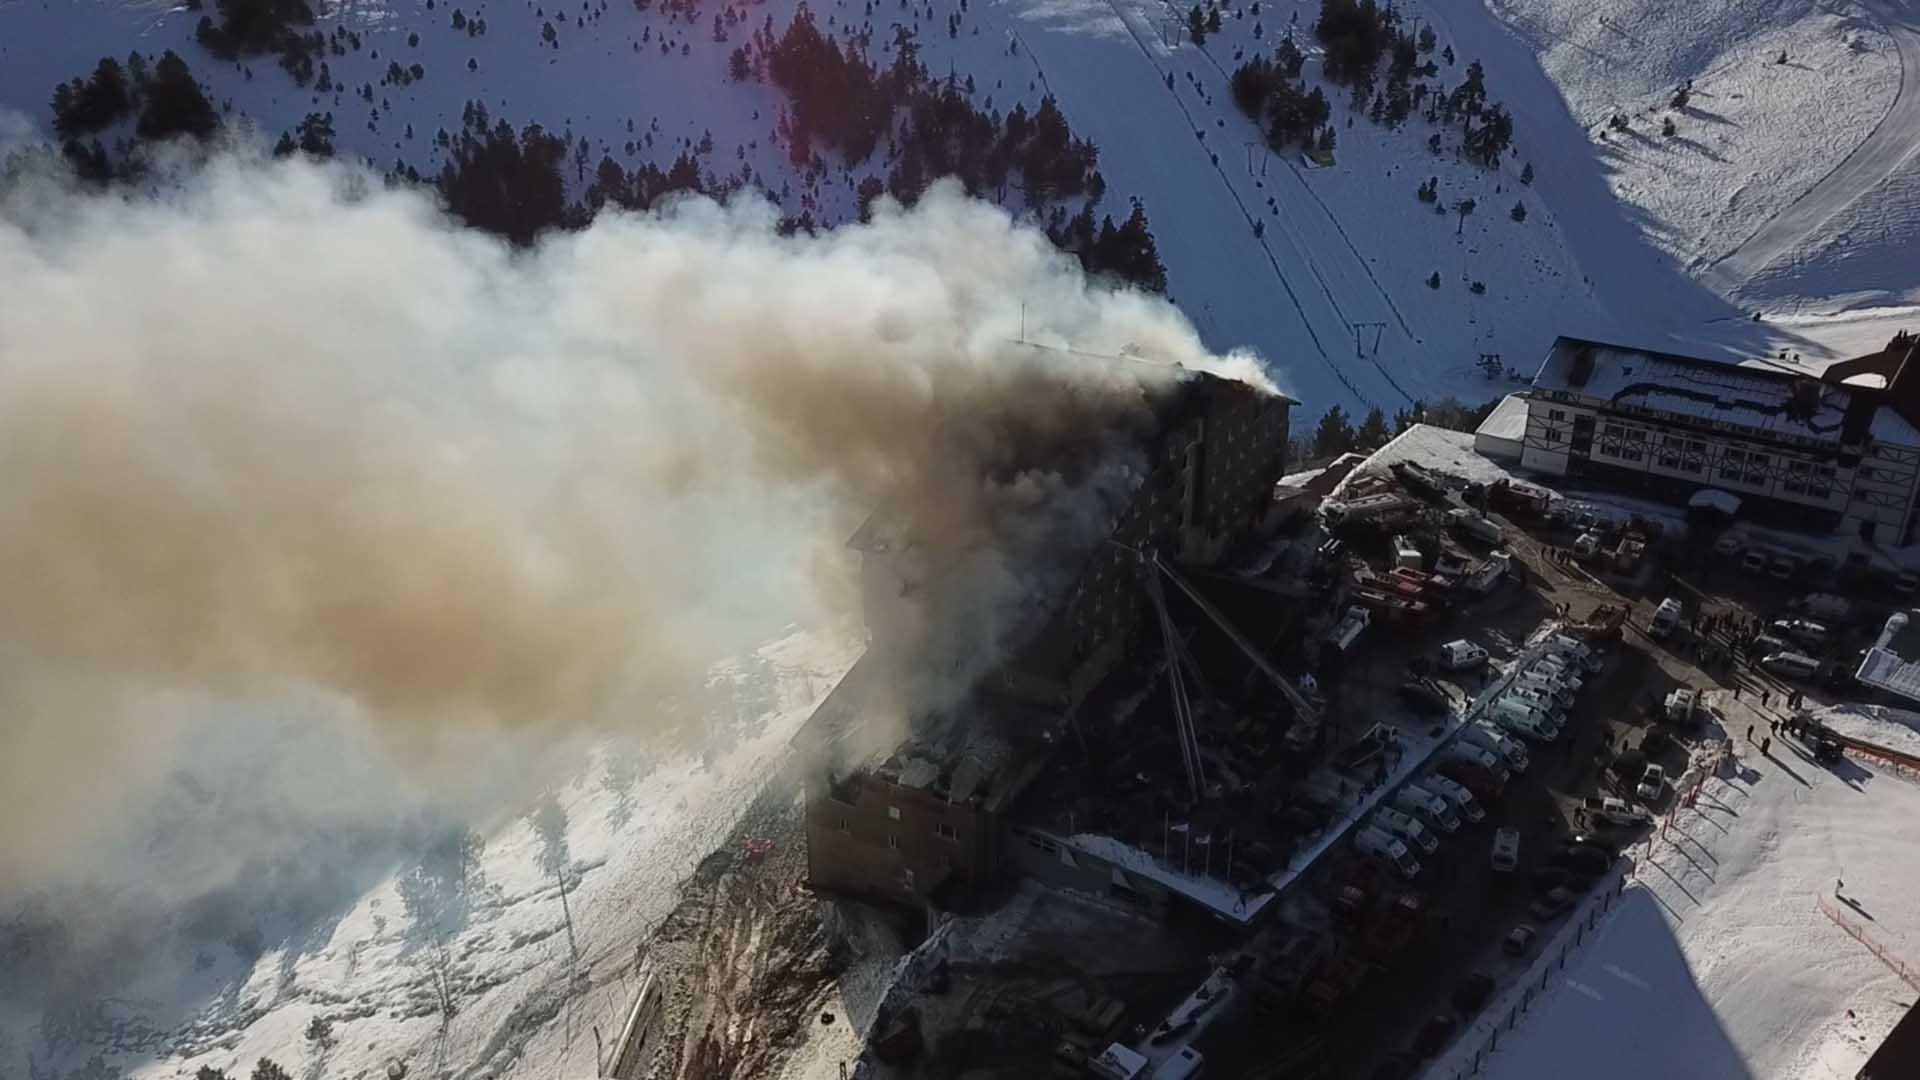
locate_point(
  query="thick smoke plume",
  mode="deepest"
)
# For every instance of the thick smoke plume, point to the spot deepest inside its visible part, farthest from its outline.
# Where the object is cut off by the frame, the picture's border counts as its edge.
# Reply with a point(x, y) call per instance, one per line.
point(282, 442)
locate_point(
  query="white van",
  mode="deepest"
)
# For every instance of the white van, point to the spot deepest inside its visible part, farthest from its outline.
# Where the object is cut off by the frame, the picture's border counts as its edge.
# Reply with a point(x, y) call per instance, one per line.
point(1561, 670)
point(1383, 845)
point(1478, 758)
point(1407, 828)
point(1461, 655)
point(1540, 700)
point(1533, 679)
point(1498, 743)
point(1523, 719)
point(1791, 665)
point(1456, 793)
point(1428, 807)
point(1574, 649)
point(1666, 618)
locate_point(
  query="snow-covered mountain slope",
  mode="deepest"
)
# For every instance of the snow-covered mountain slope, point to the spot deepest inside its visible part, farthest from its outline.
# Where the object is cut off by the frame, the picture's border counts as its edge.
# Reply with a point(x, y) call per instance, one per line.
point(1732, 953)
point(1766, 157)
point(1334, 294)
point(630, 830)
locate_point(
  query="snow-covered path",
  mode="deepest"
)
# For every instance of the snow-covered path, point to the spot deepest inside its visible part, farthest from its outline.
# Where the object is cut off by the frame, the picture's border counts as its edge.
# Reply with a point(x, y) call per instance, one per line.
point(1895, 139)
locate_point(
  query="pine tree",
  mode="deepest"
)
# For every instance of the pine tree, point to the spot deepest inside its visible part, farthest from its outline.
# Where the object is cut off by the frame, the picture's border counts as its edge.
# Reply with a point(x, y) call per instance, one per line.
point(1519, 212)
point(1427, 39)
point(1681, 96)
point(1197, 25)
point(208, 1072)
point(1372, 432)
point(267, 1070)
point(175, 103)
point(1462, 208)
point(1526, 174)
point(1326, 139)
point(1213, 21)
point(1333, 436)
point(1433, 280)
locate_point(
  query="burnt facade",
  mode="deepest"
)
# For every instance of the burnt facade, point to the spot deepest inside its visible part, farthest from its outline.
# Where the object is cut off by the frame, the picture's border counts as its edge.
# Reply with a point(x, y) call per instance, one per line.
point(926, 818)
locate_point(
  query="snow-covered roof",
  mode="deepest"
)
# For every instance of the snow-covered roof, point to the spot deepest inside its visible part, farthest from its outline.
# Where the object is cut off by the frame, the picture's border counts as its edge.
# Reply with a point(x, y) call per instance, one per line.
point(1508, 420)
point(1893, 664)
point(1435, 448)
point(1752, 395)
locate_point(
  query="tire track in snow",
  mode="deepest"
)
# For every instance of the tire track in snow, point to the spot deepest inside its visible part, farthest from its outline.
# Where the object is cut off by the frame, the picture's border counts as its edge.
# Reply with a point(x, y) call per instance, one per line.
point(1892, 141)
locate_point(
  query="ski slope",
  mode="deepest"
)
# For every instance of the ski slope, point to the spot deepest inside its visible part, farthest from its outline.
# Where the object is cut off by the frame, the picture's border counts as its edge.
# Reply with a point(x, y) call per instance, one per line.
point(1721, 960)
point(1334, 295)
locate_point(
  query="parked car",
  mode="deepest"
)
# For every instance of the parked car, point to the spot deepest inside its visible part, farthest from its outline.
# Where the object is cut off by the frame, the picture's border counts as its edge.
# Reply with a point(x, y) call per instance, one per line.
point(1580, 864)
point(1610, 848)
point(1462, 655)
point(1791, 665)
point(1423, 696)
point(1612, 812)
point(1666, 618)
point(1552, 904)
point(1471, 992)
point(1519, 940)
point(1805, 631)
point(1784, 567)
point(1506, 850)
point(1755, 561)
point(1434, 1035)
point(1653, 783)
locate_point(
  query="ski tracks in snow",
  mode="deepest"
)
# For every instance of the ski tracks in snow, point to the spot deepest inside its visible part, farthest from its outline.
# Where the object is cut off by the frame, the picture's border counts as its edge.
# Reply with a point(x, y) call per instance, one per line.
point(1893, 140)
point(1299, 248)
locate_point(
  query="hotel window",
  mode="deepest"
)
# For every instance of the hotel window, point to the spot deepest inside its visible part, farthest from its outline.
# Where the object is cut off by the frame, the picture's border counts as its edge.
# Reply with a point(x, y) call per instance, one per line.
point(1756, 469)
point(1796, 481)
point(1553, 435)
point(946, 832)
point(1670, 451)
point(1730, 465)
point(1556, 414)
point(893, 841)
point(1635, 448)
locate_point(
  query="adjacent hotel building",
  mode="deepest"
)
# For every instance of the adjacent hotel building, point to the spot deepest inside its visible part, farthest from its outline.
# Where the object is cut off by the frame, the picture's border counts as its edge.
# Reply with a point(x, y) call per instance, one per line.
point(1837, 452)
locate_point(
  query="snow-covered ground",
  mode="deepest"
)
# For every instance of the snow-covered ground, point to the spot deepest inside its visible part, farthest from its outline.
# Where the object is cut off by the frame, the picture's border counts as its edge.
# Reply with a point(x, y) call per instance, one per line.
point(1726, 956)
point(630, 838)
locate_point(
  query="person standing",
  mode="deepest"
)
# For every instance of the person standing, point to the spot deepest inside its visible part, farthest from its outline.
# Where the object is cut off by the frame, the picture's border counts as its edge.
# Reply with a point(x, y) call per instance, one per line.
point(1749, 726)
point(1766, 744)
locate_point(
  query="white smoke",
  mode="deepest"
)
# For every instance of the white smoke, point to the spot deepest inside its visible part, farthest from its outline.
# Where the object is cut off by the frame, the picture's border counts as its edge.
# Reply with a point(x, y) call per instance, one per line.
point(282, 442)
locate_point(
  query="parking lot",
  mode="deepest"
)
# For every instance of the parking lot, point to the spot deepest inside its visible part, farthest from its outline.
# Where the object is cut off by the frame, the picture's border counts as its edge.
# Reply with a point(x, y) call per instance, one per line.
point(1421, 984)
